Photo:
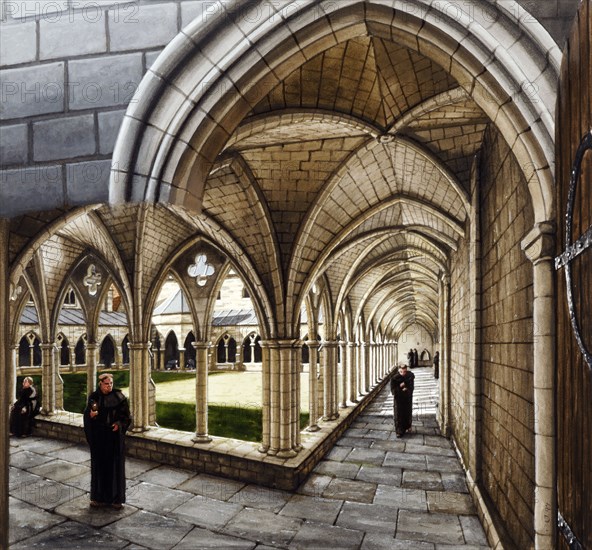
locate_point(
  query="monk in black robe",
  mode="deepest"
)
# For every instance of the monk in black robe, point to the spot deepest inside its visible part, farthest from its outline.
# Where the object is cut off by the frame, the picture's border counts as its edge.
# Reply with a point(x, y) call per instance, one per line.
point(106, 419)
point(402, 385)
point(24, 410)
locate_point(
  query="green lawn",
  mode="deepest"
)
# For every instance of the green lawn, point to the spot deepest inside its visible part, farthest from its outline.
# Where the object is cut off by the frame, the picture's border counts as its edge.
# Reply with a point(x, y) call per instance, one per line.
point(234, 406)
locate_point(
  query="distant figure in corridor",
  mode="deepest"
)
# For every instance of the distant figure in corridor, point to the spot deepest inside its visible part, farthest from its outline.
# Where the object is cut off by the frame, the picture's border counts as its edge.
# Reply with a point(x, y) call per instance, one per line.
point(437, 365)
point(106, 419)
point(415, 359)
point(402, 385)
point(24, 410)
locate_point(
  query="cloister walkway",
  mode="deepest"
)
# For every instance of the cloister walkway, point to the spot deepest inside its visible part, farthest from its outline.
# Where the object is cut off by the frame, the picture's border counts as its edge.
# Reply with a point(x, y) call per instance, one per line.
point(371, 492)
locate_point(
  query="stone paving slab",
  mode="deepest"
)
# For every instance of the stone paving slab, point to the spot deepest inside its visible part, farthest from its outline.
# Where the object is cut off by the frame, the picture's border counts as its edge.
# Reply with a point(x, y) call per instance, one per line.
point(422, 480)
point(314, 535)
point(211, 486)
point(27, 520)
point(405, 460)
point(450, 503)
point(321, 510)
point(443, 464)
point(366, 456)
point(135, 467)
point(206, 512)
point(368, 517)
point(314, 485)
point(337, 469)
point(27, 460)
point(337, 454)
point(440, 528)
point(454, 482)
point(166, 476)
point(380, 474)
point(150, 530)
point(473, 531)
point(156, 498)
point(18, 478)
point(345, 489)
point(263, 526)
point(409, 499)
point(354, 442)
point(264, 498)
point(379, 541)
point(60, 470)
point(79, 510)
point(46, 494)
point(71, 535)
point(77, 454)
point(206, 540)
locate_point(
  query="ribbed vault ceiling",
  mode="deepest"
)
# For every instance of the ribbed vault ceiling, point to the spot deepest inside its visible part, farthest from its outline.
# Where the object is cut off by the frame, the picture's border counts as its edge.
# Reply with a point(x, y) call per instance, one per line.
point(354, 169)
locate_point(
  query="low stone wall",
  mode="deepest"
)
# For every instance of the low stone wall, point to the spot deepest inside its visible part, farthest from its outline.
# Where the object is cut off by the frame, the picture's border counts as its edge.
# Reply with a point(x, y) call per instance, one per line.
point(230, 458)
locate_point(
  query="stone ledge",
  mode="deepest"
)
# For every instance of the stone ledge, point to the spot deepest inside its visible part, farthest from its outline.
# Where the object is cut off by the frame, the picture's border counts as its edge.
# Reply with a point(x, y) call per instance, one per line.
point(230, 458)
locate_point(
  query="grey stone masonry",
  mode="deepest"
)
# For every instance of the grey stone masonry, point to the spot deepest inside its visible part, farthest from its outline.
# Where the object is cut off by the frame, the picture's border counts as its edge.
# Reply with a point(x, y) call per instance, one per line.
point(18, 44)
point(87, 182)
point(104, 81)
point(109, 124)
point(63, 138)
point(132, 27)
point(31, 91)
point(77, 34)
point(13, 145)
point(41, 185)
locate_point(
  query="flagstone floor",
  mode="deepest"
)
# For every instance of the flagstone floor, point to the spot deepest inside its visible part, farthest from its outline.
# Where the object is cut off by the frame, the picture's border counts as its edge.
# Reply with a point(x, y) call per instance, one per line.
point(371, 492)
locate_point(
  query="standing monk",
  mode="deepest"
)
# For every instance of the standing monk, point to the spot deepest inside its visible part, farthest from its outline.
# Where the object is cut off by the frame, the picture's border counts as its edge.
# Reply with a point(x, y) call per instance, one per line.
point(106, 419)
point(402, 385)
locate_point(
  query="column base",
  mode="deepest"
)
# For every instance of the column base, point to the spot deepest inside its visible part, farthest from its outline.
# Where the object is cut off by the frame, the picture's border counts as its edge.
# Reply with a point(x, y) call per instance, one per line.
point(289, 453)
point(313, 428)
point(139, 429)
point(263, 449)
point(201, 439)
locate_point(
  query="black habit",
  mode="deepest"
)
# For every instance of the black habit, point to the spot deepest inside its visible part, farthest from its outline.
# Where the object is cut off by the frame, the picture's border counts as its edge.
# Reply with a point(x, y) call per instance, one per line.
point(403, 400)
point(23, 412)
point(107, 448)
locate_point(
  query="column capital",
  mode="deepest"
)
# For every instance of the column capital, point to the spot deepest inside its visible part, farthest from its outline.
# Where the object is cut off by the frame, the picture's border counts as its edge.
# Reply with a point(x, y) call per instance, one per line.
point(281, 343)
point(200, 345)
point(312, 343)
point(46, 346)
point(539, 243)
point(138, 347)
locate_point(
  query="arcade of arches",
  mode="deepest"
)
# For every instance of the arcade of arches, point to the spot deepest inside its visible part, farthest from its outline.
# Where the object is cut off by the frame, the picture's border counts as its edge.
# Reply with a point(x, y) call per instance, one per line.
point(385, 166)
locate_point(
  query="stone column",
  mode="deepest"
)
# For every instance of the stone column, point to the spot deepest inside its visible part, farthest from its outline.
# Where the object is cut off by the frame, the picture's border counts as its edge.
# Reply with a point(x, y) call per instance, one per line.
point(201, 392)
point(265, 446)
point(48, 380)
point(91, 367)
point(5, 391)
point(313, 398)
point(367, 380)
point(539, 246)
point(445, 359)
point(352, 374)
point(182, 358)
point(161, 363)
point(344, 368)
point(283, 399)
point(139, 385)
point(12, 375)
point(329, 360)
point(59, 381)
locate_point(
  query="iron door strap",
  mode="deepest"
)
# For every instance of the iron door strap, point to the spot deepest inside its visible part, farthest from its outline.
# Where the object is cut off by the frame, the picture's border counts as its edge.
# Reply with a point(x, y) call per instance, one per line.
point(574, 249)
point(565, 530)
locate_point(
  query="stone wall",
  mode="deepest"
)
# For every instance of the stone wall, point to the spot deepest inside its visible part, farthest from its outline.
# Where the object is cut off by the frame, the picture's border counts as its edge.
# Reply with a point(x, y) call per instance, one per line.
point(459, 352)
point(507, 443)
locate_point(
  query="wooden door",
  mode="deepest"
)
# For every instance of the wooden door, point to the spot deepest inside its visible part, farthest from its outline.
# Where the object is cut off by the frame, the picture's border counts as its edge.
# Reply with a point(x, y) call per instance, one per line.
point(574, 286)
